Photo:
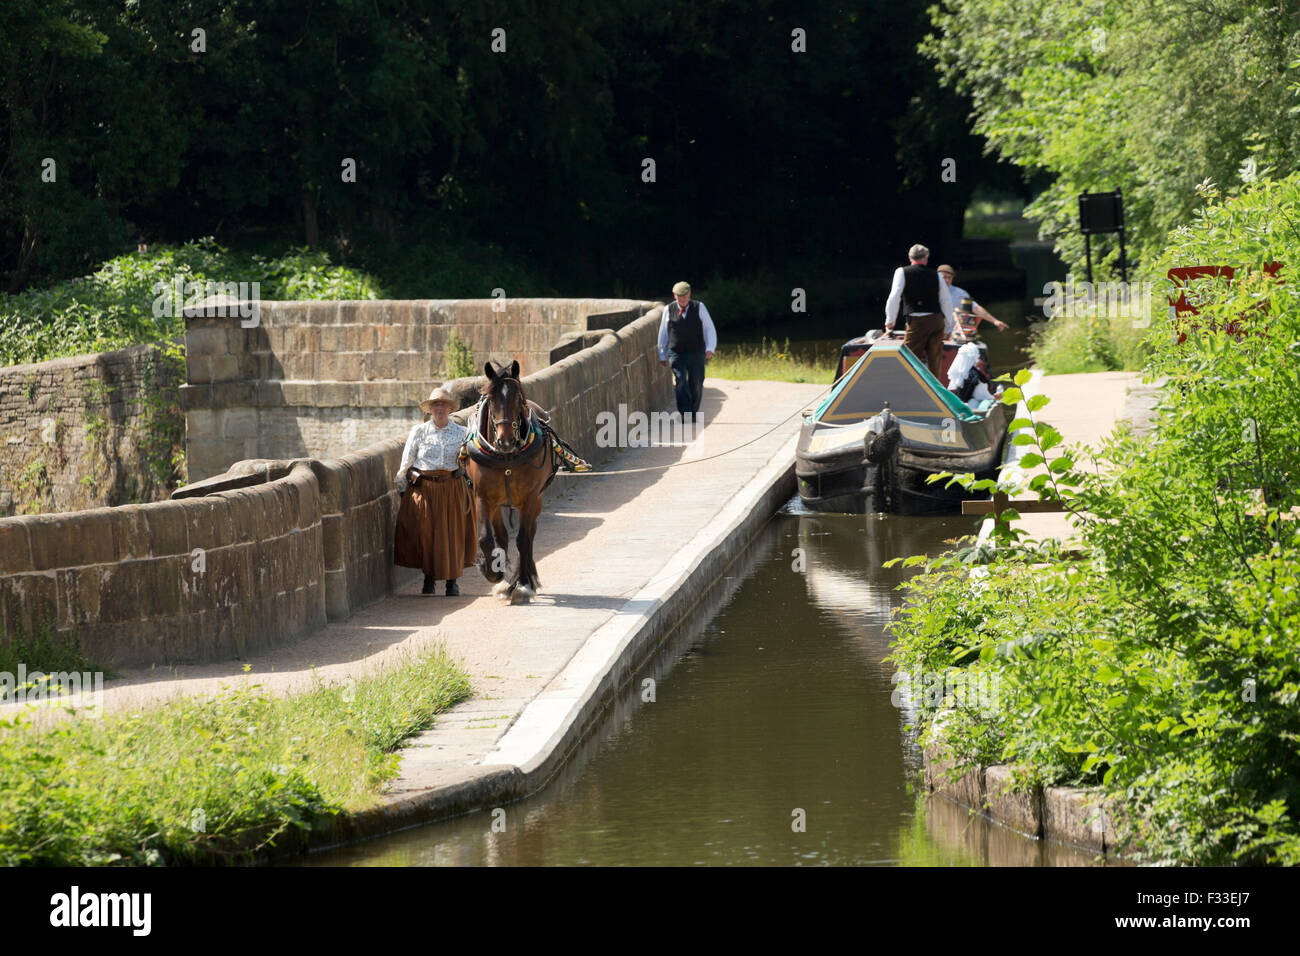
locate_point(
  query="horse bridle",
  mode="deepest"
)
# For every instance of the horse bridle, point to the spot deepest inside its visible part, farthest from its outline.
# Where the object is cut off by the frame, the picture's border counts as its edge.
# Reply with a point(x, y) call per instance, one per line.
point(517, 424)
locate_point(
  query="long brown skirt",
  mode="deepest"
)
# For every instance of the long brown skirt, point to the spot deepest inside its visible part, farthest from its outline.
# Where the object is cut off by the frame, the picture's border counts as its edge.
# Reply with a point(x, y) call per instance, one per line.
point(437, 529)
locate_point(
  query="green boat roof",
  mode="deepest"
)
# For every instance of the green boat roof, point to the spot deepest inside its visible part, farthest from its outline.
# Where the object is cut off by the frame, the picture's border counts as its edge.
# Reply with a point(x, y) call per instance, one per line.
point(890, 372)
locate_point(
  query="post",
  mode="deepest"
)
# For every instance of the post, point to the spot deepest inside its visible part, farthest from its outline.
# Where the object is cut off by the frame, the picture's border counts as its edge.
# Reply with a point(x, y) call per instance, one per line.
point(1087, 248)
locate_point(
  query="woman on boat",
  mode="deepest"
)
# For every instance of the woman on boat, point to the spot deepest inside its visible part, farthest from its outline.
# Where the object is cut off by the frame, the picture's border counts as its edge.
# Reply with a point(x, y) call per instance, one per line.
point(437, 529)
point(966, 379)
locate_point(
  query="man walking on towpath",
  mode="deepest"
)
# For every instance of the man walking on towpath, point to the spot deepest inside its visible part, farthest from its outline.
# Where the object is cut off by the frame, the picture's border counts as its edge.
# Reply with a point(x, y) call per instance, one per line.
point(687, 339)
point(926, 305)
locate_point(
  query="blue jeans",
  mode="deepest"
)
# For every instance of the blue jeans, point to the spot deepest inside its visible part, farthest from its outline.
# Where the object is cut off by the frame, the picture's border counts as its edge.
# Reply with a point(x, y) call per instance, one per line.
point(688, 379)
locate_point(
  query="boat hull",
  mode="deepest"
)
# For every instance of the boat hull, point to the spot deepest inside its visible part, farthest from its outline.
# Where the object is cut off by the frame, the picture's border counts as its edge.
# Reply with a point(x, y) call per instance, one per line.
point(844, 480)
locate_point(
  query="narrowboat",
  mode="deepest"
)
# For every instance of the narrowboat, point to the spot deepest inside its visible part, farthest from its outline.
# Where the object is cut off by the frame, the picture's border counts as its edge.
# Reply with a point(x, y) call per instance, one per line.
point(886, 426)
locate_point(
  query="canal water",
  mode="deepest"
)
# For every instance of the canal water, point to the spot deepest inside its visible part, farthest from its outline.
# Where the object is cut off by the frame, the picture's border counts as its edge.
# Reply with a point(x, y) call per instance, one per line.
point(774, 708)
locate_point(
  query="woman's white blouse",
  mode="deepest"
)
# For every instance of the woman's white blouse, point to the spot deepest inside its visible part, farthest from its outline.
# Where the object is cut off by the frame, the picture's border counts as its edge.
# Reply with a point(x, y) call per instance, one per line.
point(429, 447)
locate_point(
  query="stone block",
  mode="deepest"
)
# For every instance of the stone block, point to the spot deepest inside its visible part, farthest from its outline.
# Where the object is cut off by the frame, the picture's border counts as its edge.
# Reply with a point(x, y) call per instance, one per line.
point(417, 339)
point(252, 340)
point(322, 313)
point(245, 513)
point(209, 521)
point(225, 368)
point(299, 366)
point(965, 787)
point(334, 480)
point(240, 423)
point(15, 547)
point(71, 540)
point(284, 314)
point(78, 597)
point(1068, 819)
point(131, 538)
point(168, 528)
point(1022, 811)
point(298, 394)
point(373, 365)
point(270, 393)
point(236, 394)
point(333, 542)
point(335, 395)
point(352, 312)
point(306, 338)
point(28, 602)
point(333, 338)
point(140, 590)
point(414, 367)
point(202, 341)
point(198, 369)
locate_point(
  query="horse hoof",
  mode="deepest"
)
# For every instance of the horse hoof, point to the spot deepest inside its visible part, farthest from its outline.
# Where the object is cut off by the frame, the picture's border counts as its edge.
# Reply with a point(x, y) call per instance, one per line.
point(526, 591)
point(500, 589)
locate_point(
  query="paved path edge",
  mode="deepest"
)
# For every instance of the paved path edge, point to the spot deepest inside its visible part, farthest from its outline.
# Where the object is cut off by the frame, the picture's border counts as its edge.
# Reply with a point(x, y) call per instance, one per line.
point(573, 705)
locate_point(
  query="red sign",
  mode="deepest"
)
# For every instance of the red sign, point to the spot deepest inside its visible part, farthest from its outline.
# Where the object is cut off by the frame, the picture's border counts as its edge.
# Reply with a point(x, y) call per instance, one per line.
point(1182, 276)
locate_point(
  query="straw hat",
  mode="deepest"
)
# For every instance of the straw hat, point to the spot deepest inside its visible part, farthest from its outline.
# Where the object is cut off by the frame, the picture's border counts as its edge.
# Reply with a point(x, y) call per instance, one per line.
point(439, 394)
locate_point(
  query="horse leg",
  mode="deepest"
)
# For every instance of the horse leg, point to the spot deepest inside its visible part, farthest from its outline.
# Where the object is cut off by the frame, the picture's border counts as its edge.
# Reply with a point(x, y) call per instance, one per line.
point(486, 544)
point(527, 538)
point(505, 587)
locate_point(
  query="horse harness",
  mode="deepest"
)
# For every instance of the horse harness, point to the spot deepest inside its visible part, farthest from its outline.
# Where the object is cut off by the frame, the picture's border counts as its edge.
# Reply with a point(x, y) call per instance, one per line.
point(531, 431)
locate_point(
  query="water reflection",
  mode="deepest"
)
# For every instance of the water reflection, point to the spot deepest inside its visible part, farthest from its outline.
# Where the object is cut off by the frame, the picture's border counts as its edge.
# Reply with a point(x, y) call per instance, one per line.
point(778, 703)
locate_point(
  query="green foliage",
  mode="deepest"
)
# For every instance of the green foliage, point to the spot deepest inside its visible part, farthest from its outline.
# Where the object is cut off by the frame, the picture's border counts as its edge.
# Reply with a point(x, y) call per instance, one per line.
point(44, 652)
point(113, 307)
point(1150, 96)
point(161, 424)
point(209, 780)
point(460, 357)
point(1162, 666)
point(462, 150)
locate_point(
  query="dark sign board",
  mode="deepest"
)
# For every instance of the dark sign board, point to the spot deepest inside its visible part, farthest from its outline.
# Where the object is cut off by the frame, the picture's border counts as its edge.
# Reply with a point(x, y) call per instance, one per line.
point(1101, 212)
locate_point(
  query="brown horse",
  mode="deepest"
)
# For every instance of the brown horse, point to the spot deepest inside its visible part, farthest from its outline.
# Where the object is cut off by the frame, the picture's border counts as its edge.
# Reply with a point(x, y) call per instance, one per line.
point(510, 464)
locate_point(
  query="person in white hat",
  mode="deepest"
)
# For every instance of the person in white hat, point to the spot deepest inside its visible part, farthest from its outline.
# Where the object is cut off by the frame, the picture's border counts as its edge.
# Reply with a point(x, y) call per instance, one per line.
point(437, 528)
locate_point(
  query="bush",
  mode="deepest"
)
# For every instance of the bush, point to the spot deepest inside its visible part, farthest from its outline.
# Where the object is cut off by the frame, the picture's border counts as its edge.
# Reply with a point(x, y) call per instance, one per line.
point(113, 307)
point(1162, 667)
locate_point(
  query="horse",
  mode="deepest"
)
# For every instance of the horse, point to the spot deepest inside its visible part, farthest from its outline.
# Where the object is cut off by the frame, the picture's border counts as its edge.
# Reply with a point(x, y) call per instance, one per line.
point(510, 464)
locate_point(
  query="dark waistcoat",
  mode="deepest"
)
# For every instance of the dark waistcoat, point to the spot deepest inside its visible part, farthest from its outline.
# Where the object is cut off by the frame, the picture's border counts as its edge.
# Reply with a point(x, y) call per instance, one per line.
point(685, 330)
point(920, 290)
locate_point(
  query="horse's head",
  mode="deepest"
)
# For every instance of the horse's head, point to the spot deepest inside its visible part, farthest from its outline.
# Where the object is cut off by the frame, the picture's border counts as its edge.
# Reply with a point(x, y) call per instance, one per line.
point(507, 407)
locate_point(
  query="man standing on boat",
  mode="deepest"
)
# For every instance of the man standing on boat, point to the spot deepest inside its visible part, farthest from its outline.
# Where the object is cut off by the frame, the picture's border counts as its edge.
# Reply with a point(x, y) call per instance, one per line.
point(687, 339)
point(958, 294)
point(926, 306)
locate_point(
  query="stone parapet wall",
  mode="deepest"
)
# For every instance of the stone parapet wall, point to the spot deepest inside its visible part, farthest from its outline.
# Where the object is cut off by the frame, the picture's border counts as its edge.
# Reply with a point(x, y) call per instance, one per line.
point(88, 431)
point(320, 379)
point(269, 549)
point(189, 580)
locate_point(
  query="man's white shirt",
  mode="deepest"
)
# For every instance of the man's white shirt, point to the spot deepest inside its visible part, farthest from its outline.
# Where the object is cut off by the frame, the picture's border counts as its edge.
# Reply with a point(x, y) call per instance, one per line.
point(710, 333)
point(896, 298)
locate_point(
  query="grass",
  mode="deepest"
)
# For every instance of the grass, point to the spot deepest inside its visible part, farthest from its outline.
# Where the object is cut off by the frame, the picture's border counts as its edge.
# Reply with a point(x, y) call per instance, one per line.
point(210, 780)
point(1090, 343)
point(768, 361)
